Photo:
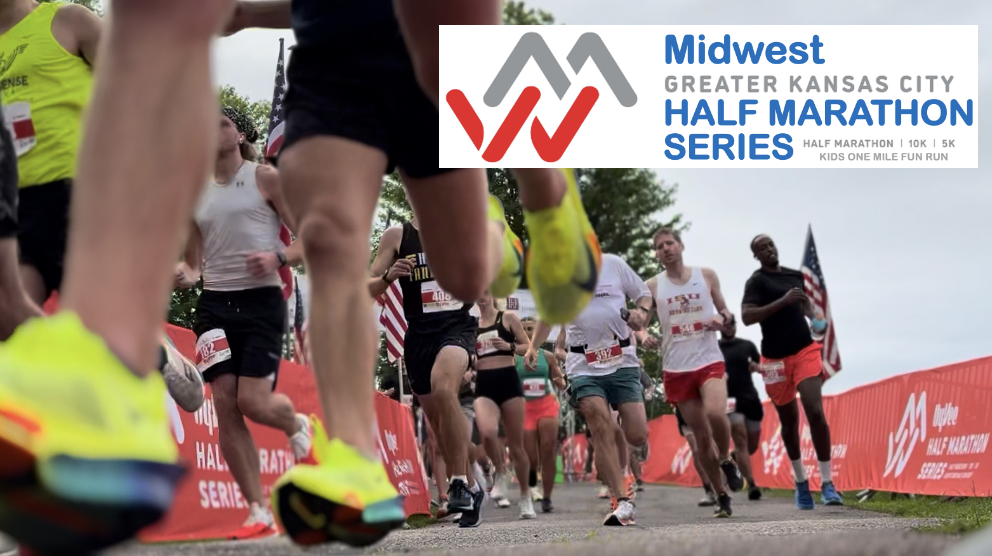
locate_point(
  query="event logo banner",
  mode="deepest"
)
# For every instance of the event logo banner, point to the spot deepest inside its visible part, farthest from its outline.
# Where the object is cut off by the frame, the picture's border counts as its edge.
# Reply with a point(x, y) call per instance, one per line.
point(817, 96)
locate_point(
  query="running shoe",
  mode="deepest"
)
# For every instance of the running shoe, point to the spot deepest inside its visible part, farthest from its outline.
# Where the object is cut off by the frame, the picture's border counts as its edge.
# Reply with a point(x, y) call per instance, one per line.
point(184, 382)
point(535, 493)
point(302, 441)
point(512, 270)
point(473, 517)
point(829, 495)
point(604, 492)
point(500, 486)
point(459, 496)
point(735, 482)
point(754, 493)
point(346, 497)
point(622, 515)
point(804, 498)
point(88, 459)
point(564, 257)
point(259, 524)
point(723, 508)
point(708, 500)
point(546, 506)
point(442, 507)
point(527, 508)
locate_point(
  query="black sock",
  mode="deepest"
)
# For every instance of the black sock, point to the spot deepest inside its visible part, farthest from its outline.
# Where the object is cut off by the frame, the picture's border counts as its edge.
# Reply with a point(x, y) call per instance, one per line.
point(163, 358)
point(533, 478)
point(708, 487)
point(624, 499)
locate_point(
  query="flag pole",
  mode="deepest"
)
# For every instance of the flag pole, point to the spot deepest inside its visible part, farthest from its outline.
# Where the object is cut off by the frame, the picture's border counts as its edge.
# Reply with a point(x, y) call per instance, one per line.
point(400, 368)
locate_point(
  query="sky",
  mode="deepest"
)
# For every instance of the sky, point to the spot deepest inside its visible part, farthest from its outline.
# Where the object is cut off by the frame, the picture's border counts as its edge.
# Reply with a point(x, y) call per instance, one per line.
point(906, 254)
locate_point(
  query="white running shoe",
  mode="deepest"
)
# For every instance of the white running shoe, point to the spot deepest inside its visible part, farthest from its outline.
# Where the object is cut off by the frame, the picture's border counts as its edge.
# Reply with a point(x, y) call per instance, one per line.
point(527, 508)
point(302, 441)
point(500, 486)
point(535, 493)
point(604, 492)
point(503, 503)
point(184, 382)
point(622, 516)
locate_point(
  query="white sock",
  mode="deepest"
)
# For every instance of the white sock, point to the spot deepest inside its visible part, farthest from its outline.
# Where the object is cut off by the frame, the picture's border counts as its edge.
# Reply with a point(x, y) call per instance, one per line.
point(798, 471)
point(825, 475)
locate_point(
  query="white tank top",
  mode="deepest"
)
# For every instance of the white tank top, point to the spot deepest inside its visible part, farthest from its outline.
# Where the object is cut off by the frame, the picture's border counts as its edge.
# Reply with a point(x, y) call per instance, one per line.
point(682, 310)
point(236, 221)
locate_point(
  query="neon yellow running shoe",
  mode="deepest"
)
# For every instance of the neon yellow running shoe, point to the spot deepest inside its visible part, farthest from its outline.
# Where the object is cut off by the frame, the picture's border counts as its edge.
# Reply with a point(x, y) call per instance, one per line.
point(508, 279)
point(564, 257)
point(345, 497)
point(86, 454)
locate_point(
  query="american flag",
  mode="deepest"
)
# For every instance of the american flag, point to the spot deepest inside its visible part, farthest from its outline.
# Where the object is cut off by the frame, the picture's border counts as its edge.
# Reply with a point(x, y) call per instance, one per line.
point(393, 320)
point(277, 117)
point(816, 289)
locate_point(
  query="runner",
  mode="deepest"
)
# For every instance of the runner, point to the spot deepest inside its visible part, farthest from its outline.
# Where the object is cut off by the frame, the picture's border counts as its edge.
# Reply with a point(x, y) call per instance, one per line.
point(710, 498)
point(49, 50)
point(603, 373)
point(241, 315)
point(499, 396)
point(542, 417)
point(741, 357)
point(691, 309)
point(141, 159)
point(791, 362)
point(440, 341)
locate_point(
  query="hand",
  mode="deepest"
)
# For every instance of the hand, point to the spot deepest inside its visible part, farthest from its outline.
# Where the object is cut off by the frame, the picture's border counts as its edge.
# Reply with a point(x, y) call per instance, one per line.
point(714, 325)
point(794, 295)
point(753, 367)
point(636, 320)
point(185, 277)
point(561, 354)
point(401, 268)
point(819, 326)
point(559, 382)
point(530, 359)
point(501, 344)
point(651, 342)
point(261, 265)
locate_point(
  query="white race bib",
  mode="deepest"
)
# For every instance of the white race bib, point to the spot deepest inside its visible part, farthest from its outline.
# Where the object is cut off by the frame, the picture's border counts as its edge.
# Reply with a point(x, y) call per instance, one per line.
point(211, 348)
point(484, 343)
point(731, 405)
point(687, 330)
point(21, 127)
point(773, 372)
point(605, 357)
point(535, 387)
point(436, 300)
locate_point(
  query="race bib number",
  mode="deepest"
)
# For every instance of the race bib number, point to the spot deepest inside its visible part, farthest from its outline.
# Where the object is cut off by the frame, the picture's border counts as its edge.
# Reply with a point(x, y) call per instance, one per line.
point(21, 127)
point(606, 356)
point(731, 405)
point(773, 373)
point(484, 343)
point(436, 300)
point(685, 330)
point(535, 388)
point(211, 348)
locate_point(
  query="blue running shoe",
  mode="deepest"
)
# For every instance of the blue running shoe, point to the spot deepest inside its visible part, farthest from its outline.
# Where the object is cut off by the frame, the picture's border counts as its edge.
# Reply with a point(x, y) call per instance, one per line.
point(829, 495)
point(804, 498)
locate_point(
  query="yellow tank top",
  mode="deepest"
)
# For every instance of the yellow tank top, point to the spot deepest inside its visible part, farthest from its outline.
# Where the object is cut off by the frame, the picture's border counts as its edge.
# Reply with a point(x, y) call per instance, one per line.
point(44, 89)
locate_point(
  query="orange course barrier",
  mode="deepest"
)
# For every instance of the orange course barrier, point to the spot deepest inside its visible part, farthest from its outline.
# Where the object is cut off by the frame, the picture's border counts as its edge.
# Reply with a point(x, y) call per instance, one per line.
point(209, 503)
point(922, 433)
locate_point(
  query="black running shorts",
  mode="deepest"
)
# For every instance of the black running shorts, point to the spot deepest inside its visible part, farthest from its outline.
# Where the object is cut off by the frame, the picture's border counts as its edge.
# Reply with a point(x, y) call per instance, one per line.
point(43, 215)
point(363, 87)
point(240, 333)
point(8, 183)
point(420, 349)
point(499, 385)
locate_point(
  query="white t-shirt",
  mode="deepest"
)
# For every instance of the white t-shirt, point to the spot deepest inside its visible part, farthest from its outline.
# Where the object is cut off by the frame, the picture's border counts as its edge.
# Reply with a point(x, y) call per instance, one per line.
point(600, 327)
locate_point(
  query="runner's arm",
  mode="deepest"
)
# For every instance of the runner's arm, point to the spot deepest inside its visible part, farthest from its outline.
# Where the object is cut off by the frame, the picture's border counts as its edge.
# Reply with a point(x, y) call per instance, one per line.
point(554, 370)
point(520, 340)
point(273, 14)
point(752, 310)
point(270, 185)
point(190, 268)
point(718, 301)
point(78, 30)
point(385, 258)
point(541, 333)
point(560, 346)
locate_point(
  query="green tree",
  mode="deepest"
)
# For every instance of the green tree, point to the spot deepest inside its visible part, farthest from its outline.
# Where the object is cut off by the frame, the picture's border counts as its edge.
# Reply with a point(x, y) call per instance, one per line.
point(516, 13)
point(94, 5)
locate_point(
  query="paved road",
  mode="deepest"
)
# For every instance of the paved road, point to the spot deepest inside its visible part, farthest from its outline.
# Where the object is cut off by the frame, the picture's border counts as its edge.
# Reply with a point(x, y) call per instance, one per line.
point(668, 522)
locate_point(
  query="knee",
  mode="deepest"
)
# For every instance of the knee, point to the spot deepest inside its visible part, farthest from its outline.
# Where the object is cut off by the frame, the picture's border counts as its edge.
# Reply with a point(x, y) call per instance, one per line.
point(333, 238)
point(816, 417)
point(637, 437)
point(249, 406)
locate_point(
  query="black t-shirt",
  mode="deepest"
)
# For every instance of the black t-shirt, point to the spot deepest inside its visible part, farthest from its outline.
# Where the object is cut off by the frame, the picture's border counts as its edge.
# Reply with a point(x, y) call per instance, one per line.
point(418, 287)
point(785, 332)
point(736, 353)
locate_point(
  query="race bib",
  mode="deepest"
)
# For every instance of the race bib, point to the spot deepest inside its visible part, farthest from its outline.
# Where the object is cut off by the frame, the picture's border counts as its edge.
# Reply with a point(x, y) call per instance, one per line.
point(535, 387)
point(686, 330)
point(436, 300)
point(21, 127)
point(605, 357)
point(731, 405)
point(211, 348)
point(773, 373)
point(484, 343)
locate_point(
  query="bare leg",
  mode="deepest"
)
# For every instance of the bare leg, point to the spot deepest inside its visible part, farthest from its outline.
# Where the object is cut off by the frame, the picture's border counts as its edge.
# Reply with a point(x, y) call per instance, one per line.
point(597, 415)
point(547, 430)
point(739, 433)
point(147, 146)
point(15, 306)
point(714, 393)
point(788, 416)
point(34, 284)
point(695, 416)
point(487, 415)
point(445, 412)
point(811, 394)
point(236, 443)
point(332, 186)
point(257, 402)
point(513, 418)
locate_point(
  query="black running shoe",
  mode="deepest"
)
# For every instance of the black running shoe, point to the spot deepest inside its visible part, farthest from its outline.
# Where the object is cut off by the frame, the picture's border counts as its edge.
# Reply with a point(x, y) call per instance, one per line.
point(734, 480)
point(473, 516)
point(723, 508)
point(754, 493)
point(459, 496)
point(546, 506)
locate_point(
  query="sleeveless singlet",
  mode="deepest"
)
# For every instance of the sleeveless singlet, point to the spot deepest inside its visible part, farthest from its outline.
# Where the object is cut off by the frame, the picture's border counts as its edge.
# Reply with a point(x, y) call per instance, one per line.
point(236, 221)
point(484, 344)
point(685, 345)
point(537, 384)
point(425, 304)
point(44, 91)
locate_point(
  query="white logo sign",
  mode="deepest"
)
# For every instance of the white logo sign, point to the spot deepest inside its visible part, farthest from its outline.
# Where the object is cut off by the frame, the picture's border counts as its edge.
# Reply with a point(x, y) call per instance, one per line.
point(175, 420)
point(682, 459)
point(912, 429)
point(773, 452)
point(945, 416)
